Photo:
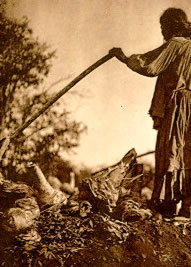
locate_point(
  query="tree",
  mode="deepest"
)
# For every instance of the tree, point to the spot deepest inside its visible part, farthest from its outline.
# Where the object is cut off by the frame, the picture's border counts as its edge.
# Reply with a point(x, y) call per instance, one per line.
point(24, 61)
point(24, 64)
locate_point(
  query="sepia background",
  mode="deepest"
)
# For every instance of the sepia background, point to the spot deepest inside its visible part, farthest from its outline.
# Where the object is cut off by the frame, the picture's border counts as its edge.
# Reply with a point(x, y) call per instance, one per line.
point(115, 100)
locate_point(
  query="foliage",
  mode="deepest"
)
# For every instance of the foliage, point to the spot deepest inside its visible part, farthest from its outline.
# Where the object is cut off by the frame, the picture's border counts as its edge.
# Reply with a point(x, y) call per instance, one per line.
point(80, 234)
point(24, 61)
point(49, 136)
point(24, 64)
point(65, 233)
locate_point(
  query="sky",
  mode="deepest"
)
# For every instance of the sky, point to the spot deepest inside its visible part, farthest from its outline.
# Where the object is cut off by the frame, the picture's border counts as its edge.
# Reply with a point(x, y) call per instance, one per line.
point(116, 100)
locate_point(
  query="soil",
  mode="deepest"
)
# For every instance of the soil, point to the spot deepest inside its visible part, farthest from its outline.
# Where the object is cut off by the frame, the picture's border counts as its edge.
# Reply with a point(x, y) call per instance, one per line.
point(152, 244)
point(85, 232)
point(68, 239)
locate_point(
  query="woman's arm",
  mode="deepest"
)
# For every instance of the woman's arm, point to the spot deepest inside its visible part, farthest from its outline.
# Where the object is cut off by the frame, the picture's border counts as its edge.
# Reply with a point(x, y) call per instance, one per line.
point(152, 63)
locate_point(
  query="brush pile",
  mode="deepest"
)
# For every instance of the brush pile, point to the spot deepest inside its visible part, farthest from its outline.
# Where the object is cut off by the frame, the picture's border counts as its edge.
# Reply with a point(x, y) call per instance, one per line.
point(106, 224)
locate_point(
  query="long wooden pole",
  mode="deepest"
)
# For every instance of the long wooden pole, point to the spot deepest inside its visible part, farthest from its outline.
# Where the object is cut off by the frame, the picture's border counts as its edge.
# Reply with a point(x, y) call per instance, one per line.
point(61, 93)
point(4, 142)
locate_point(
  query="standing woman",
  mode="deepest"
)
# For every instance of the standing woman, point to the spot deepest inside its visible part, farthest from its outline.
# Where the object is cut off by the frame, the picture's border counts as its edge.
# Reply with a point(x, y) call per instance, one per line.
point(170, 107)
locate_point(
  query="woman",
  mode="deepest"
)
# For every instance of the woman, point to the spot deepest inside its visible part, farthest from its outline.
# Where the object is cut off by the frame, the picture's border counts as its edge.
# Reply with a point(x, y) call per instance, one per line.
point(170, 108)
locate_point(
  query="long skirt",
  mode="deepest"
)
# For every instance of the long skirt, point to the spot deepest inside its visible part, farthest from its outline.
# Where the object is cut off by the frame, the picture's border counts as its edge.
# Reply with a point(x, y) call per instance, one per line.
point(173, 150)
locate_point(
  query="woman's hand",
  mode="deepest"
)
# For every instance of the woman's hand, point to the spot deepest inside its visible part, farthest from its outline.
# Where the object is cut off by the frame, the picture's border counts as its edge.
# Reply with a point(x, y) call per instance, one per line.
point(116, 51)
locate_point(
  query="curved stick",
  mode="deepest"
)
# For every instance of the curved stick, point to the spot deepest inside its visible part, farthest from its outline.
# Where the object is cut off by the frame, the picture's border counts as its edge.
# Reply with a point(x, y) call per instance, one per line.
point(61, 93)
point(4, 142)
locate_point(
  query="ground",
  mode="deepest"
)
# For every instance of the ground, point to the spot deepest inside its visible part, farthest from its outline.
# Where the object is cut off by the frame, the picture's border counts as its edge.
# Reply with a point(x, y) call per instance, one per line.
point(109, 224)
point(97, 239)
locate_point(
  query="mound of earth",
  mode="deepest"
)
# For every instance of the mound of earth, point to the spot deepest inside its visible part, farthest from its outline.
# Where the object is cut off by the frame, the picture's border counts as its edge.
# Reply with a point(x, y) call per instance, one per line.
point(107, 224)
point(71, 237)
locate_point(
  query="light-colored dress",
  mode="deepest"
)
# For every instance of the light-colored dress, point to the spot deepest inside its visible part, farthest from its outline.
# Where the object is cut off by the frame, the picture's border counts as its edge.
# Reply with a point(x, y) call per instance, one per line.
point(171, 105)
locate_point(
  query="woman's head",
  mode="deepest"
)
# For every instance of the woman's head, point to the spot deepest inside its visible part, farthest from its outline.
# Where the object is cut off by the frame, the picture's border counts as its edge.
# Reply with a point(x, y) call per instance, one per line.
point(174, 22)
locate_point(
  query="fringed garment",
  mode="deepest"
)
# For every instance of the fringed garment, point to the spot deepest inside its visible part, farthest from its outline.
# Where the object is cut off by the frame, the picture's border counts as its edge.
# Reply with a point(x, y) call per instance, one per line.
point(171, 112)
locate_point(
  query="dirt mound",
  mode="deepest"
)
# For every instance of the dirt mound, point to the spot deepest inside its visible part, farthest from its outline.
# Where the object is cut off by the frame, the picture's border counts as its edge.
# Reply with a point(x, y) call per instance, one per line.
point(97, 239)
point(107, 224)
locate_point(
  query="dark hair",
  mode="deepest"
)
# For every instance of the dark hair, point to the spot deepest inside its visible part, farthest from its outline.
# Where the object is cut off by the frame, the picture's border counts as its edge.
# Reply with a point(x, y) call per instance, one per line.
point(174, 22)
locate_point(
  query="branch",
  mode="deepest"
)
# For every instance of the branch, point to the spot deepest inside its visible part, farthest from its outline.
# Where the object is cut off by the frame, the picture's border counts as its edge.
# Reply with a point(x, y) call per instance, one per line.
point(61, 93)
point(145, 154)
